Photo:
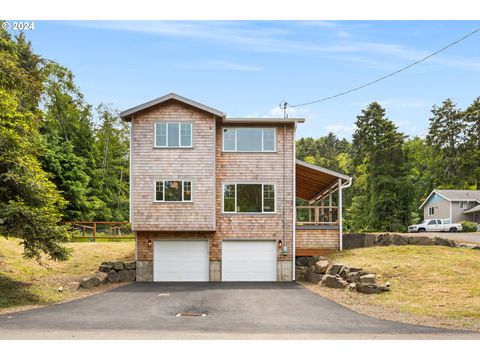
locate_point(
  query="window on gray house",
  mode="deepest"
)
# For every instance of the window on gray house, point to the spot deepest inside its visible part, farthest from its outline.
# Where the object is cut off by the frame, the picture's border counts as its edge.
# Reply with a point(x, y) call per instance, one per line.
point(173, 191)
point(249, 198)
point(249, 139)
point(173, 134)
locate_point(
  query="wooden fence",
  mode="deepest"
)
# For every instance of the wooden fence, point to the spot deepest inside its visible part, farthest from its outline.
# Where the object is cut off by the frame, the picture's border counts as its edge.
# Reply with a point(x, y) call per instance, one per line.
point(99, 230)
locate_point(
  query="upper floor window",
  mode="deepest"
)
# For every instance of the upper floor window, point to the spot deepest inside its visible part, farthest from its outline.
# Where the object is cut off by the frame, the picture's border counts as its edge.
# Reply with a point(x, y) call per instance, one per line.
point(173, 134)
point(431, 210)
point(249, 139)
point(462, 204)
point(173, 190)
point(248, 198)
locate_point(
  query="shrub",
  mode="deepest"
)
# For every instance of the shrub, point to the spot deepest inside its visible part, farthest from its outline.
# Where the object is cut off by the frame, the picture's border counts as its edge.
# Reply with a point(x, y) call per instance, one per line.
point(469, 226)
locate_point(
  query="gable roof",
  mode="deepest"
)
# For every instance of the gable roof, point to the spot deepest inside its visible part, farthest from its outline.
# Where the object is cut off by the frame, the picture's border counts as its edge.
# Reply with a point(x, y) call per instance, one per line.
point(455, 195)
point(127, 114)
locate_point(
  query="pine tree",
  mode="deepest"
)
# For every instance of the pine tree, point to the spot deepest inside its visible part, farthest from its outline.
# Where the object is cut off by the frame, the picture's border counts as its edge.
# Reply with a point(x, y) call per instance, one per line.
point(380, 160)
point(472, 142)
point(447, 138)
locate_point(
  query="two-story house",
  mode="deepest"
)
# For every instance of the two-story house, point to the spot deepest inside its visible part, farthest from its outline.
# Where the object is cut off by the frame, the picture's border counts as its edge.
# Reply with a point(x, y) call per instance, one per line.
point(213, 198)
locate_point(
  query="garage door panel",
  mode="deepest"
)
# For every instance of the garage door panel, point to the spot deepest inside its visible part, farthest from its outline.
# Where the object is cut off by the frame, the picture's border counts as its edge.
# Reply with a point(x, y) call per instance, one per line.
point(249, 260)
point(180, 260)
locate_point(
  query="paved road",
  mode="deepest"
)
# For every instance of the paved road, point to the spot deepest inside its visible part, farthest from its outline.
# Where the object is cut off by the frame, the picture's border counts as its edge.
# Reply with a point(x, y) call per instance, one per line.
point(234, 310)
point(472, 238)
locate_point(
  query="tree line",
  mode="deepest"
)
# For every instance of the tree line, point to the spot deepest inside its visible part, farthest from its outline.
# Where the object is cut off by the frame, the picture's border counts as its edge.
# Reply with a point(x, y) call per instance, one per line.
point(394, 173)
point(60, 158)
point(63, 159)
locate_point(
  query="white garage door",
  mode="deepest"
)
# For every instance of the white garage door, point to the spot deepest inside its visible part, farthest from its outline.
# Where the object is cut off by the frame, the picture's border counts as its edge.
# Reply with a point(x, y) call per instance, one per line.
point(249, 260)
point(180, 260)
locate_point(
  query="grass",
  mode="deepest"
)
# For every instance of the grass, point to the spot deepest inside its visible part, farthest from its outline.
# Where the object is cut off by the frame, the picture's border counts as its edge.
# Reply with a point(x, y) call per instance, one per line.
point(25, 283)
point(426, 281)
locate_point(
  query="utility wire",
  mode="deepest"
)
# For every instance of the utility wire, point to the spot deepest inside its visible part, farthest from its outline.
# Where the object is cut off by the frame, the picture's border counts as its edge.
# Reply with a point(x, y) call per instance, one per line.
point(285, 104)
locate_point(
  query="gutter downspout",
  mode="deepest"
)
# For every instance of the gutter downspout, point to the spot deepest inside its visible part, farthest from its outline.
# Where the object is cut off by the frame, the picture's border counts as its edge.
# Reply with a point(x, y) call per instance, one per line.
point(340, 208)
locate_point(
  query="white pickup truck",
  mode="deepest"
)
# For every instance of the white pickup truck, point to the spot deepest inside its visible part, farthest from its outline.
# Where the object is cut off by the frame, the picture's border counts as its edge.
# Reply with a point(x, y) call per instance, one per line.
point(433, 225)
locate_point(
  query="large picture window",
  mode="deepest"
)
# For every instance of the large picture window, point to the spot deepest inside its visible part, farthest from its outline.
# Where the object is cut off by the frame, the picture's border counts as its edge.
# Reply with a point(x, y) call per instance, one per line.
point(173, 134)
point(248, 198)
point(173, 191)
point(249, 139)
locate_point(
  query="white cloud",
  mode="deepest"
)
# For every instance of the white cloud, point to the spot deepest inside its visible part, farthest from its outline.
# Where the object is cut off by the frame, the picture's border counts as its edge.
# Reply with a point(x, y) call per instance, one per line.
point(279, 39)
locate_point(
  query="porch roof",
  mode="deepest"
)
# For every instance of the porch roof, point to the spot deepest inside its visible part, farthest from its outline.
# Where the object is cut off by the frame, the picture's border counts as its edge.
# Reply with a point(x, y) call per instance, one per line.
point(472, 210)
point(311, 180)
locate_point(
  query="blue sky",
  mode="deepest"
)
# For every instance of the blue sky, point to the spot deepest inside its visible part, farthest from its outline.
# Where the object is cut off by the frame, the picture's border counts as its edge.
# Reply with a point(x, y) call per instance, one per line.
point(247, 68)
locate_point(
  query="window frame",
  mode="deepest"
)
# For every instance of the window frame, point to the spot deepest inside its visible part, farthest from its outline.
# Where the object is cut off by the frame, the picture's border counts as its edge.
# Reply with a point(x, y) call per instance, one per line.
point(431, 210)
point(250, 151)
point(262, 184)
point(166, 146)
point(462, 204)
point(183, 181)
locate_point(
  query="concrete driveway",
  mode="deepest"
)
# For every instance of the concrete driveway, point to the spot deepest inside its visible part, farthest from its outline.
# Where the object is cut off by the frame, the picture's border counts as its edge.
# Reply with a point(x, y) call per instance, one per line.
point(234, 310)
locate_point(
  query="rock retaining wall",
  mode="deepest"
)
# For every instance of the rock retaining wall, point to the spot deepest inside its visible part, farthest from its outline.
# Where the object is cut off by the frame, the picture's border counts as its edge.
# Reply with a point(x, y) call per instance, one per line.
point(111, 271)
point(318, 270)
point(353, 241)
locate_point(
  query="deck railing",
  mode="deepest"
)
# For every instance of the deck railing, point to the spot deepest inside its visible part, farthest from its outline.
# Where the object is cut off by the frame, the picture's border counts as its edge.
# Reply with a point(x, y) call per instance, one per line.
point(317, 215)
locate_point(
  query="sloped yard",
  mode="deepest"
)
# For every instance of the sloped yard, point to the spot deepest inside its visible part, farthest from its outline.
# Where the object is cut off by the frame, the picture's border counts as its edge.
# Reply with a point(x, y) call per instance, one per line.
point(25, 283)
point(430, 285)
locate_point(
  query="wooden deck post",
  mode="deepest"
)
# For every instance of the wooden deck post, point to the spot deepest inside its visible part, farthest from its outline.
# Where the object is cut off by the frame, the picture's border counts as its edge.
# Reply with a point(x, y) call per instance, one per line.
point(94, 231)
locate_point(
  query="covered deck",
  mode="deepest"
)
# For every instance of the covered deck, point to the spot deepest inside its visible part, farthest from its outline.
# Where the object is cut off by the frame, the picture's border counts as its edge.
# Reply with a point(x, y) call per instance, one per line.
point(318, 229)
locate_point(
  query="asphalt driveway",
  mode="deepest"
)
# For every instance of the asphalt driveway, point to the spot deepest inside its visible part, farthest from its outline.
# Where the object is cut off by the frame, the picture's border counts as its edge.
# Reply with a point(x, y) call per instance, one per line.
point(233, 310)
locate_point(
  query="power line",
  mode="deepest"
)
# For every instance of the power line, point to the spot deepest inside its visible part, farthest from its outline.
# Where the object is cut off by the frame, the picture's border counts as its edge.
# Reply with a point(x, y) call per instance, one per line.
point(285, 104)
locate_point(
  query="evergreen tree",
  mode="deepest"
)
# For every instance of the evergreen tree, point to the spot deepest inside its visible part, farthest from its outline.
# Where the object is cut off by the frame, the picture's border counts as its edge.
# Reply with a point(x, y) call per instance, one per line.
point(472, 146)
point(447, 138)
point(379, 158)
point(69, 137)
point(112, 143)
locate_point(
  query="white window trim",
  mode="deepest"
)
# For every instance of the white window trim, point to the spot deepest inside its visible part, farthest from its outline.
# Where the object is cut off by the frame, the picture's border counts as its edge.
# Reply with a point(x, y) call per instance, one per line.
point(250, 151)
point(236, 192)
point(462, 204)
point(155, 145)
point(172, 202)
point(431, 212)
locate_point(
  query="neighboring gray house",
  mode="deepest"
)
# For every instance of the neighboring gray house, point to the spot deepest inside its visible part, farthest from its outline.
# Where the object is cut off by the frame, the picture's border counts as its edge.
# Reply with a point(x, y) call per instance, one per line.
point(456, 205)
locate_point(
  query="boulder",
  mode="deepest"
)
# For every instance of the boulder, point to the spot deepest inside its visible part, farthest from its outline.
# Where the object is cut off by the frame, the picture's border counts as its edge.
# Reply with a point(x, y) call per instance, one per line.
point(102, 276)
point(124, 275)
point(300, 272)
point(371, 288)
point(421, 240)
point(399, 239)
point(89, 282)
point(444, 242)
point(118, 266)
point(301, 261)
point(312, 260)
point(383, 240)
point(334, 281)
point(105, 267)
point(311, 276)
point(367, 279)
point(354, 276)
point(344, 272)
point(334, 269)
point(130, 265)
point(352, 286)
point(321, 266)
point(113, 276)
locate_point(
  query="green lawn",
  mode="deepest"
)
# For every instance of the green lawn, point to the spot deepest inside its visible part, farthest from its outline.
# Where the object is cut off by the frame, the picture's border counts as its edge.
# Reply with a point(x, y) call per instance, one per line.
point(425, 280)
point(26, 283)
